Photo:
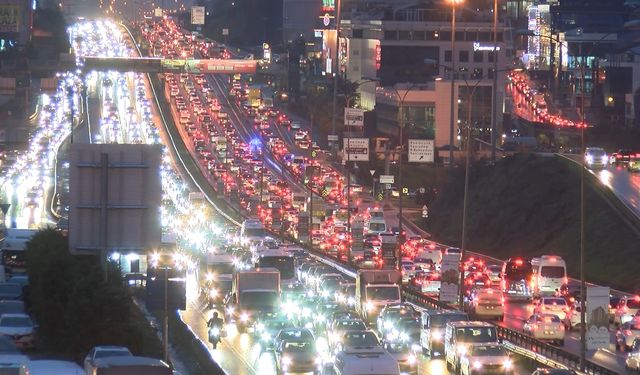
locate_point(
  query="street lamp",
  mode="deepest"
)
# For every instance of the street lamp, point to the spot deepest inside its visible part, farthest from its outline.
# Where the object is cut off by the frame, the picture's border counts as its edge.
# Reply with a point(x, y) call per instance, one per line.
point(453, 74)
point(335, 77)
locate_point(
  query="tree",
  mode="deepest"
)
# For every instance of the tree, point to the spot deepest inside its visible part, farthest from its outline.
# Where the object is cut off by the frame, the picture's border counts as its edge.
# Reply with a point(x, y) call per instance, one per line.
point(76, 306)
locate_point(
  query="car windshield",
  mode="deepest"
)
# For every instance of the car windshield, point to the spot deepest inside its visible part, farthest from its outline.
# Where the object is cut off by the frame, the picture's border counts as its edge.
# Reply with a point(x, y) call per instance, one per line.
point(377, 227)
point(350, 325)
point(476, 334)
point(381, 293)
point(439, 321)
point(16, 321)
point(298, 346)
point(548, 319)
point(360, 339)
point(10, 289)
point(492, 350)
point(112, 353)
point(331, 284)
point(555, 272)
point(11, 307)
point(555, 301)
point(259, 300)
point(596, 152)
point(276, 325)
point(254, 232)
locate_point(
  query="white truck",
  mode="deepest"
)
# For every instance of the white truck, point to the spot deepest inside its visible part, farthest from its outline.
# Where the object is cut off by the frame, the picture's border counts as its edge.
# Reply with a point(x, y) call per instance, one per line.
point(254, 292)
point(218, 277)
point(376, 362)
point(375, 289)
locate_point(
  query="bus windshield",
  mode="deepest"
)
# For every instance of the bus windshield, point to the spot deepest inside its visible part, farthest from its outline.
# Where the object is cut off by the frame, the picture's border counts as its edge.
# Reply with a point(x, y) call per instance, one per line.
point(284, 264)
point(515, 271)
point(377, 227)
point(254, 232)
point(381, 293)
point(260, 300)
point(555, 272)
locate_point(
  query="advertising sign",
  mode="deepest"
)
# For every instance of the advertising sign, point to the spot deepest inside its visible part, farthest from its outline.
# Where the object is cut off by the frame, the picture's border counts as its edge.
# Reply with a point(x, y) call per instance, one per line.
point(9, 18)
point(450, 278)
point(597, 317)
point(356, 149)
point(197, 15)
point(421, 151)
point(353, 117)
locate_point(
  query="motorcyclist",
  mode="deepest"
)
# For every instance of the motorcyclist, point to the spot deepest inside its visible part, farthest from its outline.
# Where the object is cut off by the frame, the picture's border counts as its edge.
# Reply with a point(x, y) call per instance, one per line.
point(215, 321)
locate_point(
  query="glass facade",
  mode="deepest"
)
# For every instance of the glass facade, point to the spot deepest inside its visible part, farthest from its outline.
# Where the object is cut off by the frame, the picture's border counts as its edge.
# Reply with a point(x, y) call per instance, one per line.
point(480, 110)
point(419, 119)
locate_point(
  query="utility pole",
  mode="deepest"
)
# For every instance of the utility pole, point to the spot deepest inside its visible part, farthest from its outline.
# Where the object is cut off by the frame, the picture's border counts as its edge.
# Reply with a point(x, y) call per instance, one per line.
point(453, 75)
point(583, 290)
point(494, 110)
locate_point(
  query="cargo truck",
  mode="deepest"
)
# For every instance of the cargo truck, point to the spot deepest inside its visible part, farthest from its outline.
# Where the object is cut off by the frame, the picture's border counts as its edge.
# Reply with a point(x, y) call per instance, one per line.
point(375, 289)
point(130, 366)
point(254, 292)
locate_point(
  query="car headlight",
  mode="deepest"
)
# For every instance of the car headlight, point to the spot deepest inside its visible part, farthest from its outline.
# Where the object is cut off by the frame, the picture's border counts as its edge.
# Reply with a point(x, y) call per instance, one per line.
point(351, 301)
point(213, 293)
point(318, 361)
point(477, 365)
point(260, 327)
point(265, 336)
point(215, 331)
point(436, 335)
point(589, 159)
point(369, 306)
point(388, 325)
point(404, 336)
point(230, 310)
point(244, 317)
point(286, 361)
point(508, 364)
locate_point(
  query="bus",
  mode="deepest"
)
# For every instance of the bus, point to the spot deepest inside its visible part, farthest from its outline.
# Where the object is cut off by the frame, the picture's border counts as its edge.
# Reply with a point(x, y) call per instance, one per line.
point(280, 260)
point(517, 278)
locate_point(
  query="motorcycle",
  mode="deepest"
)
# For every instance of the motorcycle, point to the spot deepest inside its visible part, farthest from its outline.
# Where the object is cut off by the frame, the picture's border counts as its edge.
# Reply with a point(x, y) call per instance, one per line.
point(215, 335)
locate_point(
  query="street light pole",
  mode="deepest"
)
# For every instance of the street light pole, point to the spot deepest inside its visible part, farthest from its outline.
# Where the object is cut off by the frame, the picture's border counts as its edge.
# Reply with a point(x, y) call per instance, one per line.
point(335, 79)
point(453, 75)
point(583, 294)
point(494, 111)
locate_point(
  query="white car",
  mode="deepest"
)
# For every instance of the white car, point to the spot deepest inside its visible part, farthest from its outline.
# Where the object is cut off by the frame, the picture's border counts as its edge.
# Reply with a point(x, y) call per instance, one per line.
point(486, 358)
point(547, 327)
point(626, 309)
point(552, 305)
point(300, 135)
point(595, 157)
point(20, 328)
point(104, 351)
point(626, 335)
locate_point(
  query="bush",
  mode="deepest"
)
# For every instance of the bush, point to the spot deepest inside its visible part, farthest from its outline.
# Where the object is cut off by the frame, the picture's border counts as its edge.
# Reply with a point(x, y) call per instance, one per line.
point(77, 307)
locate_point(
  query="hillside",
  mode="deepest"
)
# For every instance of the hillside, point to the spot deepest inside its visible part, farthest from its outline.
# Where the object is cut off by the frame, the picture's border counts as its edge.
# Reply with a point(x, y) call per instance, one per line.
point(529, 205)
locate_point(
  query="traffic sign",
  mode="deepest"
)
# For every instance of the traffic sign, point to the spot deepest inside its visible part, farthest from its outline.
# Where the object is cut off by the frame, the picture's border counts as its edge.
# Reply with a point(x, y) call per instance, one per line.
point(157, 12)
point(197, 15)
point(372, 171)
point(353, 117)
point(356, 149)
point(4, 207)
point(425, 212)
point(387, 186)
point(380, 196)
point(314, 153)
point(421, 151)
point(332, 138)
point(422, 191)
point(405, 190)
point(386, 179)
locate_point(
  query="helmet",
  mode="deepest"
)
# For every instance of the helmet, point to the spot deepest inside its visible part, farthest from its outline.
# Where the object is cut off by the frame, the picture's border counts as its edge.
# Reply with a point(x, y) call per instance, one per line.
point(215, 315)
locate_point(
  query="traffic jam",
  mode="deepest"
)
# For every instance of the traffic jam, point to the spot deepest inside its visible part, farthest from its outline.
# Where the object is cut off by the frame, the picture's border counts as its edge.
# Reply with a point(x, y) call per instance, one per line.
point(306, 307)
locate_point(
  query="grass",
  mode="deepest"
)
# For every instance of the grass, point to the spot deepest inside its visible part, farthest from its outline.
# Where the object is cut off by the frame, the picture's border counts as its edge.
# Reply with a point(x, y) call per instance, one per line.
point(529, 206)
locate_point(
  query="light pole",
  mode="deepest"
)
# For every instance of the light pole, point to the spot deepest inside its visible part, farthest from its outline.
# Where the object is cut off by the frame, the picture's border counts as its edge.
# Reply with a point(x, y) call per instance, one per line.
point(335, 77)
point(494, 97)
point(453, 76)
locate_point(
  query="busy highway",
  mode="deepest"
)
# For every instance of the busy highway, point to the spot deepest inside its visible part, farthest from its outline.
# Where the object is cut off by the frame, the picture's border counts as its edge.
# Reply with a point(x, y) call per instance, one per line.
point(273, 193)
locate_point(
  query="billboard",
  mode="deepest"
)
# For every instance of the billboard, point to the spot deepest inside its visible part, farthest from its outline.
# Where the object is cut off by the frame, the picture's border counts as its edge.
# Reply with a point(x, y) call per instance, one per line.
point(450, 278)
point(597, 317)
point(115, 198)
point(197, 15)
point(356, 149)
point(353, 117)
point(9, 18)
point(210, 66)
point(421, 151)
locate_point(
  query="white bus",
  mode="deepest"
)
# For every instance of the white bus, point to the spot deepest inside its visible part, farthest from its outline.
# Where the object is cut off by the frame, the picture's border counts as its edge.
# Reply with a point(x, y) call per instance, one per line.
point(252, 230)
point(549, 274)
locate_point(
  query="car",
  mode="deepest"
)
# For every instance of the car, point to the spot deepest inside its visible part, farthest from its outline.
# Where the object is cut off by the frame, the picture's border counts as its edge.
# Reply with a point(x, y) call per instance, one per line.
point(300, 135)
point(632, 363)
point(433, 325)
point(552, 305)
point(621, 156)
point(10, 291)
point(12, 307)
point(98, 352)
point(297, 356)
point(627, 307)
point(486, 358)
point(627, 334)
point(426, 282)
point(391, 314)
point(364, 341)
point(20, 327)
point(486, 302)
point(268, 325)
point(547, 327)
point(404, 355)
point(595, 157)
point(553, 371)
point(295, 125)
point(339, 326)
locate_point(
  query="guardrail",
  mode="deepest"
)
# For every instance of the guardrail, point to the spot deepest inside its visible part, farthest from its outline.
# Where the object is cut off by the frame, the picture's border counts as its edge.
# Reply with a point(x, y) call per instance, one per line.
point(623, 210)
point(182, 335)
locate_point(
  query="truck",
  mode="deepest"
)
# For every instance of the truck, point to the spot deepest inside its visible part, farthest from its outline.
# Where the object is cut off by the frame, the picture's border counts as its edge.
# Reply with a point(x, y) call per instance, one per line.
point(13, 247)
point(254, 96)
point(254, 292)
point(375, 289)
point(218, 277)
point(129, 365)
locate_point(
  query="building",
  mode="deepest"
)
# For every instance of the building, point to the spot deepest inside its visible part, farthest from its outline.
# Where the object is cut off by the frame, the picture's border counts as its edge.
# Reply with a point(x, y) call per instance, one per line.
point(409, 47)
point(16, 18)
point(299, 18)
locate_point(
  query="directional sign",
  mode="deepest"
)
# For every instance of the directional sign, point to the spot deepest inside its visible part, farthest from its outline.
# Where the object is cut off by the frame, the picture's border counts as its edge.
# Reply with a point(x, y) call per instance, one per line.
point(380, 196)
point(405, 190)
point(356, 149)
point(387, 186)
point(332, 138)
point(353, 117)
point(386, 179)
point(421, 150)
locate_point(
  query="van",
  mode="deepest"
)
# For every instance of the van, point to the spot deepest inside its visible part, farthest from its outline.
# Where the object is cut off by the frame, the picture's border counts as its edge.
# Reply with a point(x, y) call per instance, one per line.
point(550, 273)
point(376, 225)
point(458, 335)
point(433, 323)
point(358, 363)
point(427, 257)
